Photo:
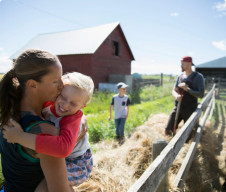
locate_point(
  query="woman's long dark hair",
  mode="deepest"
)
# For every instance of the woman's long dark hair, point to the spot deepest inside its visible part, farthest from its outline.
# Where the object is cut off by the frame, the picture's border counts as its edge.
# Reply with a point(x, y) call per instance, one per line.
point(31, 64)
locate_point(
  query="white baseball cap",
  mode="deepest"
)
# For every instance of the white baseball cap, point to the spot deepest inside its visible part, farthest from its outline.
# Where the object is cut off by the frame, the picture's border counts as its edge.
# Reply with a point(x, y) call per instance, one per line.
point(121, 85)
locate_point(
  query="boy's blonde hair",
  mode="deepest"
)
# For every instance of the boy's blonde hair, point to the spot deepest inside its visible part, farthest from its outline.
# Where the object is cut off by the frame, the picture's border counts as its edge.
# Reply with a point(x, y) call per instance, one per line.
point(81, 82)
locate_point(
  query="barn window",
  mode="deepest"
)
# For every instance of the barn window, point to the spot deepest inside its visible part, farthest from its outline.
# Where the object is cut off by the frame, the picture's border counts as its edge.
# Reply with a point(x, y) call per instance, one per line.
point(116, 48)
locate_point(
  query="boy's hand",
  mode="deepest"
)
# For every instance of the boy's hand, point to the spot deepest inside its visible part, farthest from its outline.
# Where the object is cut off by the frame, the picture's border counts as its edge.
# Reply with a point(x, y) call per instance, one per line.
point(12, 131)
point(109, 118)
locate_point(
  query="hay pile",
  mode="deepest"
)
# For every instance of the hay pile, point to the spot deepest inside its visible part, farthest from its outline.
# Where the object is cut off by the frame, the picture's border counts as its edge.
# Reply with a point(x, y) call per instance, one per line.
point(117, 167)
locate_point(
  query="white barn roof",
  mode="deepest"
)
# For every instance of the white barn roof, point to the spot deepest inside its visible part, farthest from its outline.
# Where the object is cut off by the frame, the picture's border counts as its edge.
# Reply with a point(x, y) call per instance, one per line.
point(218, 63)
point(82, 41)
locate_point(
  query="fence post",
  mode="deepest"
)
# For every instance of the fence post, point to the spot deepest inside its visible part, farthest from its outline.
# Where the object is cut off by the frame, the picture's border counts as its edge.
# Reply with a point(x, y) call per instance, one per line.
point(161, 81)
point(157, 147)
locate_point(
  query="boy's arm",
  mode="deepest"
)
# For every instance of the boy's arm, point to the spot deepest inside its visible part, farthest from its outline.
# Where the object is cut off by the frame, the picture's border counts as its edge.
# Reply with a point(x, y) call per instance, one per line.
point(62, 145)
point(127, 112)
point(112, 103)
point(109, 118)
point(127, 107)
point(57, 146)
point(13, 133)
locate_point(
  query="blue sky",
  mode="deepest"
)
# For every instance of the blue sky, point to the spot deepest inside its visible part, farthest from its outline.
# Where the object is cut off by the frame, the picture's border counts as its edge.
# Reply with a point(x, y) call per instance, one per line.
point(159, 32)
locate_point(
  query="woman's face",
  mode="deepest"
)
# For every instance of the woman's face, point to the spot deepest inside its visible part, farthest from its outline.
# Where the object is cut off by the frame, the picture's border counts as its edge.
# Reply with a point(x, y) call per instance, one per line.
point(51, 84)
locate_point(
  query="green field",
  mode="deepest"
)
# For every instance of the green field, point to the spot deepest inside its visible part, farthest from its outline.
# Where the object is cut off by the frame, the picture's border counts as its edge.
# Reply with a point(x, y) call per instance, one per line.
point(153, 100)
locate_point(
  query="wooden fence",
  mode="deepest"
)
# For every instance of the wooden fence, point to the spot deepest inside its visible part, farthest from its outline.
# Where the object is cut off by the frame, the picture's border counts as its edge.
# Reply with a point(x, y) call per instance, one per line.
point(222, 87)
point(137, 83)
point(220, 83)
point(152, 177)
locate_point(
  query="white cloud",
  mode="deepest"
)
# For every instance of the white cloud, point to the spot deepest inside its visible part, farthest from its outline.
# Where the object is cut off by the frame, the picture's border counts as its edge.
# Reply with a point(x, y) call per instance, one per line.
point(5, 64)
point(220, 45)
point(221, 6)
point(175, 14)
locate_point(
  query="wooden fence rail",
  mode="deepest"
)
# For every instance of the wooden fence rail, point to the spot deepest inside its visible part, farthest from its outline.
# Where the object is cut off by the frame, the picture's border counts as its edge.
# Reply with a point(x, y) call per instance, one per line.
point(137, 83)
point(182, 173)
point(152, 177)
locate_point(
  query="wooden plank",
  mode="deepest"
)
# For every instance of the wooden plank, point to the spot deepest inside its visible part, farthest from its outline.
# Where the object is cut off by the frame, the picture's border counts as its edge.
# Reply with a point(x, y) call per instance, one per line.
point(151, 178)
point(182, 173)
point(207, 98)
point(157, 147)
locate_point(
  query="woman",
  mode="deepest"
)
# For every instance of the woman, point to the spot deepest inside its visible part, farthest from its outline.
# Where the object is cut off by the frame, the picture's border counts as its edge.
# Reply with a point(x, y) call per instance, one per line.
point(34, 79)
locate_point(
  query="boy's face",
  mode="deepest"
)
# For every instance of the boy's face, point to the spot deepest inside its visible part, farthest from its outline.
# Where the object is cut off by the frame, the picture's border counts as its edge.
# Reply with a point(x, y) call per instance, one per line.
point(122, 91)
point(69, 101)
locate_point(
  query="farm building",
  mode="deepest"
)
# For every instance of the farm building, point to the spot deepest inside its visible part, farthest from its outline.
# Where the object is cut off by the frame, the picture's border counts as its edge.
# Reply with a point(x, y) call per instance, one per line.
point(215, 72)
point(97, 51)
point(213, 69)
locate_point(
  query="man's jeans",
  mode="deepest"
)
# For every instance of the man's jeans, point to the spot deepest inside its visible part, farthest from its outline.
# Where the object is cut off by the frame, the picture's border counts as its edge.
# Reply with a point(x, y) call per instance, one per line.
point(119, 124)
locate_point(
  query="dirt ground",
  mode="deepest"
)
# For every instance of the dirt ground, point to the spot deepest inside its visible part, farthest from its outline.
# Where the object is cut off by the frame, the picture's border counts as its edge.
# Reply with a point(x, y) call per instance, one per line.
point(117, 167)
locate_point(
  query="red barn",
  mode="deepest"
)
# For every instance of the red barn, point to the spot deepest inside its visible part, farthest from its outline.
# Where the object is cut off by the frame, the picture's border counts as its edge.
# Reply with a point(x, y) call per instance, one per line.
point(96, 51)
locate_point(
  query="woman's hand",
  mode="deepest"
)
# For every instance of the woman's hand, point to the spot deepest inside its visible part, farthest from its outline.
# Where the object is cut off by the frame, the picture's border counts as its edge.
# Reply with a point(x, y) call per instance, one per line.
point(12, 131)
point(84, 128)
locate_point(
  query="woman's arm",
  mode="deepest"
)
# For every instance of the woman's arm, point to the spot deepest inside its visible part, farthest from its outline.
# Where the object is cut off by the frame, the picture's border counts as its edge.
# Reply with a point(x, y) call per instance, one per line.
point(84, 129)
point(55, 173)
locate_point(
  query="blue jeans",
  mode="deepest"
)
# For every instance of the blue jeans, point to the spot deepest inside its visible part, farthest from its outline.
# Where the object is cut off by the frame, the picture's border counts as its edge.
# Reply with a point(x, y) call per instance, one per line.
point(119, 124)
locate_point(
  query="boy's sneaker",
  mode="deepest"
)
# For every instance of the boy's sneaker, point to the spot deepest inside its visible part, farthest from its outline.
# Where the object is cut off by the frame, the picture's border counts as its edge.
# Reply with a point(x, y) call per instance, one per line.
point(121, 140)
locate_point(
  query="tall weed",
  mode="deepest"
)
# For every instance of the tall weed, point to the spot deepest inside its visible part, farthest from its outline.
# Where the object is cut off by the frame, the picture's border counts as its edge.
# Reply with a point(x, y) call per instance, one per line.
point(100, 102)
point(151, 93)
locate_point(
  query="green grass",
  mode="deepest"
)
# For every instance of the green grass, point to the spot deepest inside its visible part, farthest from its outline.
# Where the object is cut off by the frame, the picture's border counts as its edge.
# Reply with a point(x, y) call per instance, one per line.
point(100, 102)
point(100, 128)
point(151, 93)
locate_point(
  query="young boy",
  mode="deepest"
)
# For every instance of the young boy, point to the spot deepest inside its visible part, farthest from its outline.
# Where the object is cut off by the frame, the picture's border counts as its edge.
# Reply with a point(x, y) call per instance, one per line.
point(66, 115)
point(121, 103)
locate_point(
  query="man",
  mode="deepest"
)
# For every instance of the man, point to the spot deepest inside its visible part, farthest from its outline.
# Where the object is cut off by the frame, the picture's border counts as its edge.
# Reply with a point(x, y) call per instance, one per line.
point(188, 88)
